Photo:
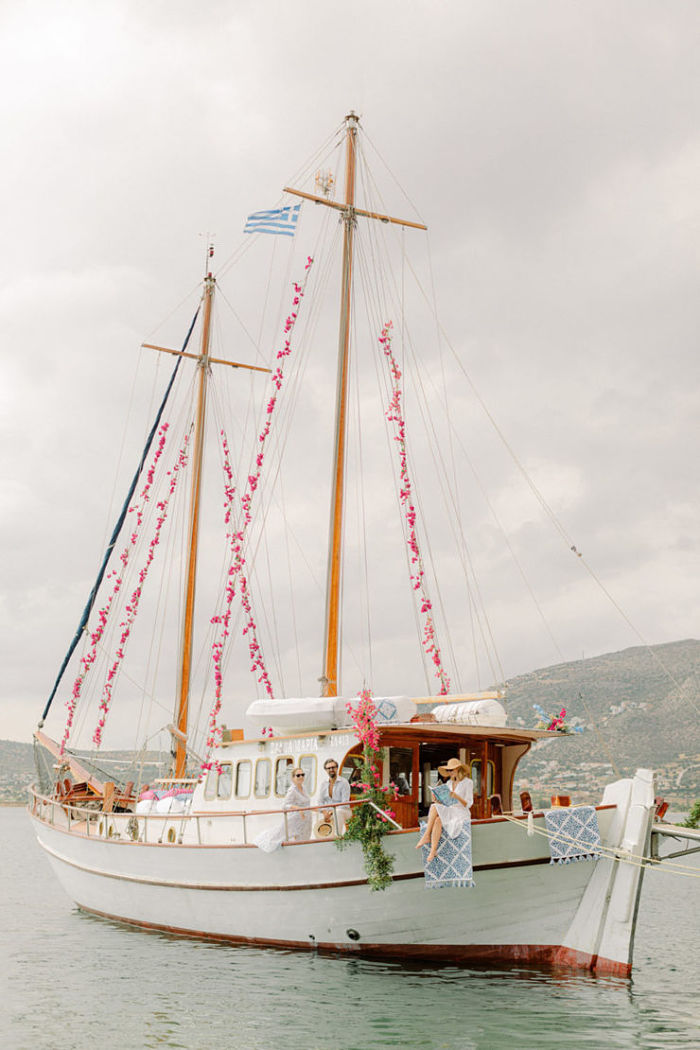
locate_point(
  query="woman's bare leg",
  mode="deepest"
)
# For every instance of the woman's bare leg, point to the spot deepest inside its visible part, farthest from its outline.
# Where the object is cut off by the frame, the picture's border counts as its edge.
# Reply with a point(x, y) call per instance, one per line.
point(425, 837)
point(434, 839)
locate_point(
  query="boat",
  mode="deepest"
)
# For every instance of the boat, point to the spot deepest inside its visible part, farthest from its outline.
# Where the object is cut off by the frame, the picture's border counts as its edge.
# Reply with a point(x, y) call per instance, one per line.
point(556, 887)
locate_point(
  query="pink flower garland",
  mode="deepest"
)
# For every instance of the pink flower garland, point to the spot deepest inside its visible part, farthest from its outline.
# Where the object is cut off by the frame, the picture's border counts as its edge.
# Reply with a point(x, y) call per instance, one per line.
point(364, 719)
point(133, 607)
point(236, 573)
point(394, 414)
point(103, 615)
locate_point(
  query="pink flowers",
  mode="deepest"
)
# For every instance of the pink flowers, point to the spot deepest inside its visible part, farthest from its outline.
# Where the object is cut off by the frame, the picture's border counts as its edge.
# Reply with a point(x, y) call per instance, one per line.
point(133, 607)
point(557, 722)
point(363, 716)
point(236, 573)
point(103, 615)
point(394, 414)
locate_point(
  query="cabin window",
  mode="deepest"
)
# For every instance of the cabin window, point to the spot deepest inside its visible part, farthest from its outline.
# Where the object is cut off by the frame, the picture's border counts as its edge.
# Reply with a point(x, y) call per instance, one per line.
point(476, 776)
point(351, 767)
point(308, 764)
point(243, 772)
point(210, 784)
point(263, 777)
point(401, 769)
point(225, 785)
point(283, 775)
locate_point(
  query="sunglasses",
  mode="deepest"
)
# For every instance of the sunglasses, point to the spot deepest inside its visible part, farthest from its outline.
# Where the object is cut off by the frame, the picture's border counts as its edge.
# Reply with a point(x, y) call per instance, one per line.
point(331, 769)
point(298, 775)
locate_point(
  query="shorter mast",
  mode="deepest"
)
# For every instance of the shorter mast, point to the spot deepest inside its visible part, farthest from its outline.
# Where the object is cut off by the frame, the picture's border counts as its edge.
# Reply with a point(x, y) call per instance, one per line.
point(198, 458)
point(204, 362)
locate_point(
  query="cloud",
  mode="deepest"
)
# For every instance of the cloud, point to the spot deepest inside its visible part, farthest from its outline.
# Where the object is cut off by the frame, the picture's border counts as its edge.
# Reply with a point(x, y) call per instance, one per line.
point(552, 149)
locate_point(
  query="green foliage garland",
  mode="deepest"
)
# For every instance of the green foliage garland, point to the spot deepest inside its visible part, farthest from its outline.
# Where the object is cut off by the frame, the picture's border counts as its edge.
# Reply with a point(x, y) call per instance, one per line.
point(366, 825)
point(693, 820)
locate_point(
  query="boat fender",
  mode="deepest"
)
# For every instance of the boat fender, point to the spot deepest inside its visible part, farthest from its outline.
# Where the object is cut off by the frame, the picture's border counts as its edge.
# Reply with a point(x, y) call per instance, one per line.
point(530, 824)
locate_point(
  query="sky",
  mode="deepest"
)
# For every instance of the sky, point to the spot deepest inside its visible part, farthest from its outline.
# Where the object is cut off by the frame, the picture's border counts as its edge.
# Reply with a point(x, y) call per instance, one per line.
point(553, 149)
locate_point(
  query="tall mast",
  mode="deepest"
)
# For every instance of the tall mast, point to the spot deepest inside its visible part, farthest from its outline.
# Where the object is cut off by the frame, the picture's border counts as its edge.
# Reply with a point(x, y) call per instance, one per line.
point(198, 458)
point(331, 674)
point(349, 212)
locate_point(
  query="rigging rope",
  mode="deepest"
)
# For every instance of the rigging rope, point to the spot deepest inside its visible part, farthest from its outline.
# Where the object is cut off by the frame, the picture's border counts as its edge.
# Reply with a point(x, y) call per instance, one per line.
point(134, 601)
point(117, 529)
point(636, 860)
point(395, 414)
point(236, 573)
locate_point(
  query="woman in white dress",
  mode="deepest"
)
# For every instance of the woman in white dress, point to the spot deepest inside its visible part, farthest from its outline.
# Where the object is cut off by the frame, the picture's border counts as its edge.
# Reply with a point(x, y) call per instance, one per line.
point(454, 815)
point(296, 802)
point(297, 825)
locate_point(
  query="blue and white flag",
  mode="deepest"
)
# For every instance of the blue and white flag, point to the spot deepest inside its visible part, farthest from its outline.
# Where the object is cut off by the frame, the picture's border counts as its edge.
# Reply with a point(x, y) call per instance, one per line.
point(275, 220)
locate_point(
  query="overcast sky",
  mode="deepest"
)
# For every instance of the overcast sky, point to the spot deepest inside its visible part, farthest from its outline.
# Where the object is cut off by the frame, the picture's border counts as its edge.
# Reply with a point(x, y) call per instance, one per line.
point(552, 147)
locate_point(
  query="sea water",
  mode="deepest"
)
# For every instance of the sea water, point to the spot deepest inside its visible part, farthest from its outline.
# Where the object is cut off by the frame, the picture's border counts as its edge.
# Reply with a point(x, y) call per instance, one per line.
point(69, 981)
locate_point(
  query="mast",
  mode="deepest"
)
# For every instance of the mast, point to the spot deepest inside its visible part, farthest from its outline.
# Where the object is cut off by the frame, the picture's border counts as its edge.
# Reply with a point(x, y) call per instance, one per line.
point(330, 678)
point(197, 460)
point(331, 673)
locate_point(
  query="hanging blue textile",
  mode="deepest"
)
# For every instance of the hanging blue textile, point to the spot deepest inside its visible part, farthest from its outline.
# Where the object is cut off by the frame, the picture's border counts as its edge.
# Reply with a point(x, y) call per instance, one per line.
point(117, 529)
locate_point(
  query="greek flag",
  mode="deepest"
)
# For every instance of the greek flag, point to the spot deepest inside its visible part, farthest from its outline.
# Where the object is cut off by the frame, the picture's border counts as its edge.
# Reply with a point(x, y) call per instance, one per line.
point(275, 220)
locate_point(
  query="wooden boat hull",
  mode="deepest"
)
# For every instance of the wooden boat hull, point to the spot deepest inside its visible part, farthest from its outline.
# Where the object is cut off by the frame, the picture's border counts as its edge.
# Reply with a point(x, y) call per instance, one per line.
point(312, 896)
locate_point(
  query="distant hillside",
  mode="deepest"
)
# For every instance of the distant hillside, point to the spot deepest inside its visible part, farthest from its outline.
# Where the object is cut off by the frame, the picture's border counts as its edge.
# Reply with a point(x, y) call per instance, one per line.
point(638, 707)
point(17, 770)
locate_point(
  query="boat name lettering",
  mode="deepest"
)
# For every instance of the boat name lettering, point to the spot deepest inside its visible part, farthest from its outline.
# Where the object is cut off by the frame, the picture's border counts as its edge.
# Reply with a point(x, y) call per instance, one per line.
point(285, 746)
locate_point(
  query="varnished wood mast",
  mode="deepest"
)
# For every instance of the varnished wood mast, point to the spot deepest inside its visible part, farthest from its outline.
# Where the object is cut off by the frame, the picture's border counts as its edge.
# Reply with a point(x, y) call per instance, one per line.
point(204, 362)
point(331, 670)
point(193, 546)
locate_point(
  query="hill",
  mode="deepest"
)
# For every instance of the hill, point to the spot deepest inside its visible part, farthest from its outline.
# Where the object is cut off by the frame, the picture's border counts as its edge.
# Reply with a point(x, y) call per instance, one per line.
point(638, 707)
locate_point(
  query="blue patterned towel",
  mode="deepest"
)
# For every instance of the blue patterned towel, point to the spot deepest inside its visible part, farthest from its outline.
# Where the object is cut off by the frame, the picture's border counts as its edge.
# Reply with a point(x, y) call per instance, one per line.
point(573, 834)
point(452, 865)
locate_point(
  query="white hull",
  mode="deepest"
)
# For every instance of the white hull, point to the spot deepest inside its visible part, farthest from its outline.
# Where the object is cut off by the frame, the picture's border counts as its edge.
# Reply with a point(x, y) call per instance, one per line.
point(313, 896)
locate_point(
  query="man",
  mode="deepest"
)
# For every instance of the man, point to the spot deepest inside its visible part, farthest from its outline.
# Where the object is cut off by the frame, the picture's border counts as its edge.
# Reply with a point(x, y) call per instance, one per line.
point(333, 790)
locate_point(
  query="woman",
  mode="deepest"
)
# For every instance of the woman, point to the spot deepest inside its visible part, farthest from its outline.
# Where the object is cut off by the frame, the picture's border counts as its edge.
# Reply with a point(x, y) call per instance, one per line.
point(297, 825)
point(453, 815)
point(296, 801)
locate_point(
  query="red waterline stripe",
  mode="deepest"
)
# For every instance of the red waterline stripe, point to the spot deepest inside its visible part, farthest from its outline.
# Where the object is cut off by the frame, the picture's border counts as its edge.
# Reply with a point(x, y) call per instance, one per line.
point(547, 955)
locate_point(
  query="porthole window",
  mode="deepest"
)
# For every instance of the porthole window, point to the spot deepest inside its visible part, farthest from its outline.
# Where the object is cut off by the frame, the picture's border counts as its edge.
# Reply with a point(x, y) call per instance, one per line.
point(225, 785)
point(210, 784)
point(263, 777)
point(283, 775)
point(308, 764)
point(243, 777)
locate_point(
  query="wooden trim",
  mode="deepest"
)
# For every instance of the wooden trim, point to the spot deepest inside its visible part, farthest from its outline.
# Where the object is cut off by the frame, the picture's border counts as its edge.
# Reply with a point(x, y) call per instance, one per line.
point(355, 211)
point(212, 360)
point(79, 771)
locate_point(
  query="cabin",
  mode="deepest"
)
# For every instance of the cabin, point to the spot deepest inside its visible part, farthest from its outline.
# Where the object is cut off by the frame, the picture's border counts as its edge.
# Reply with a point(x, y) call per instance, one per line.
point(254, 774)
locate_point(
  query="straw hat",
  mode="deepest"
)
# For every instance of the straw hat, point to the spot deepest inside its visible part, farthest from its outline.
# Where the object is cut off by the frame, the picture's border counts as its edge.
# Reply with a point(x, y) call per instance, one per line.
point(453, 763)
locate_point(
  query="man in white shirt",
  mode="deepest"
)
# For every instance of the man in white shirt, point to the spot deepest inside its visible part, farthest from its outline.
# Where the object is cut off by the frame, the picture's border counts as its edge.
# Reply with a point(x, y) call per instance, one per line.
point(332, 790)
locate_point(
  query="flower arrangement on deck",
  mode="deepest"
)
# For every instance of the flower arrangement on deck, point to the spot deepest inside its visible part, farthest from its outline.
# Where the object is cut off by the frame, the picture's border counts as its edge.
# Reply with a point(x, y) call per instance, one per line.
point(368, 825)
